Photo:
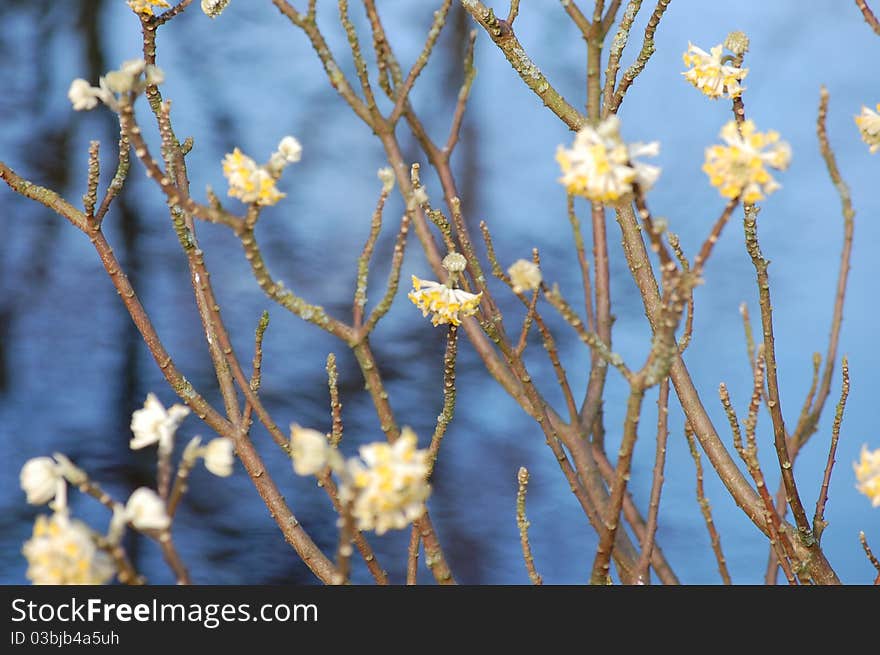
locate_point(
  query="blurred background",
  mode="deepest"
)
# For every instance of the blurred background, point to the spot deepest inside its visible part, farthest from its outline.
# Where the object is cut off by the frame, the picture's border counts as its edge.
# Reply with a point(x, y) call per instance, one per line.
point(73, 368)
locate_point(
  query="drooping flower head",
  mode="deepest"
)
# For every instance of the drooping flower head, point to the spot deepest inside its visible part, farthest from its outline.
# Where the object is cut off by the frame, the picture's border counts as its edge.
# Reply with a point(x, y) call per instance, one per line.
point(146, 511)
point(40, 479)
point(710, 76)
point(114, 84)
point(867, 471)
point(601, 167)
point(311, 452)
point(524, 275)
point(869, 127)
point(248, 182)
point(155, 424)
point(218, 456)
point(63, 551)
point(388, 485)
point(214, 8)
point(145, 7)
point(446, 305)
point(740, 167)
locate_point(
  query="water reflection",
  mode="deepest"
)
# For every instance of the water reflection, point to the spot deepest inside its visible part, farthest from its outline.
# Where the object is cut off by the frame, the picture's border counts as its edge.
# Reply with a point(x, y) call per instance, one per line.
point(72, 368)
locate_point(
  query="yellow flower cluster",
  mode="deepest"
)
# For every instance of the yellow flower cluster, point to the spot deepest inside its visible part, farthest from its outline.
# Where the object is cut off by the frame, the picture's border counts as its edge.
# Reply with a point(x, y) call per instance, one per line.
point(389, 487)
point(868, 475)
point(146, 6)
point(248, 182)
point(601, 167)
point(709, 75)
point(62, 551)
point(446, 304)
point(739, 168)
point(869, 126)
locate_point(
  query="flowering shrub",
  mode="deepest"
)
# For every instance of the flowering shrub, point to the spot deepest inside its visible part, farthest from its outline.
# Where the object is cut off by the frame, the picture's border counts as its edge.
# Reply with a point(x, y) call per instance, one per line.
point(388, 486)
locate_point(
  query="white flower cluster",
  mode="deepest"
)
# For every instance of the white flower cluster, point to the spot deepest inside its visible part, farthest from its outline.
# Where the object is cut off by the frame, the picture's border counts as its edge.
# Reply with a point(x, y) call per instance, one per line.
point(386, 487)
point(126, 79)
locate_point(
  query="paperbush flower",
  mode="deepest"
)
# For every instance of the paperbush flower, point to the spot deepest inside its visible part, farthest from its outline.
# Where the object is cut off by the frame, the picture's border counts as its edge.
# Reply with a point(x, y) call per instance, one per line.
point(214, 8)
point(145, 7)
point(710, 76)
point(601, 167)
point(146, 511)
point(446, 305)
point(524, 275)
point(125, 79)
point(218, 456)
point(739, 168)
point(388, 485)
point(869, 127)
point(39, 479)
point(63, 551)
point(311, 452)
point(153, 424)
point(868, 475)
point(248, 182)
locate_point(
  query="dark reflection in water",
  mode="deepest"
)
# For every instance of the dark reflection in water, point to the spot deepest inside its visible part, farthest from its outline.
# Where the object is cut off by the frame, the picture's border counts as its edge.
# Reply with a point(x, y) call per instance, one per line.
point(72, 367)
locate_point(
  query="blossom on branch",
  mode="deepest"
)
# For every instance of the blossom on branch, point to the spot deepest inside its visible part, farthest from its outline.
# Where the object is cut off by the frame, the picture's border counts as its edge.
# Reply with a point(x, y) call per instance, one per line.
point(388, 485)
point(248, 182)
point(869, 127)
point(739, 168)
point(146, 511)
point(867, 471)
point(311, 452)
point(39, 479)
point(602, 168)
point(447, 305)
point(214, 8)
point(218, 456)
point(63, 551)
point(153, 424)
point(714, 78)
point(145, 7)
point(524, 276)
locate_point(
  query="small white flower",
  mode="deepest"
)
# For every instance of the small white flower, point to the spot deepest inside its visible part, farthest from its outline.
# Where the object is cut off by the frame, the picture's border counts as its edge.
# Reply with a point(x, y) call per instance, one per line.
point(153, 424)
point(601, 167)
point(146, 511)
point(39, 479)
point(868, 123)
point(386, 176)
point(214, 8)
point(82, 95)
point(311, 451)
point(218, 456)
point(290, 149)
point(524, 275)
point(63, 551)
point(446, 305)
point(420, 196)
point(454, 262)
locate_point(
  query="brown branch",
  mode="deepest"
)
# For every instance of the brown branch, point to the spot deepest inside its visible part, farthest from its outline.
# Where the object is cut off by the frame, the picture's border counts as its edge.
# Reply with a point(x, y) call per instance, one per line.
point(522, 523)
point(819, 522)
point(706, 508)
point(647, 544)
point(412, 557)
point(870, 18)
point(871, 557)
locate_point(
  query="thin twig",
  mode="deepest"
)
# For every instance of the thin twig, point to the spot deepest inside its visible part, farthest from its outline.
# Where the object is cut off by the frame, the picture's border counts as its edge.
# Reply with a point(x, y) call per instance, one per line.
point(412, 557)
point(871, 557)
point(706, 508)
point(522, 523)
point(870, 18)
point(819, 522)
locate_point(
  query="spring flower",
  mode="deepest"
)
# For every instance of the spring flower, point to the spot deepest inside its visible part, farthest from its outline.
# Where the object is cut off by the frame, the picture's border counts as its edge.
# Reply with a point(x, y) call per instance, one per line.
point(869, 126)
point(289, 152)
point(145, 7)
point(39, 479)
point(248, 182)
point(524, 275)
point(388, 485)
point(62, 551)
point(153, 424)
point(146, 511)
point(446, 304)
point(738, 168)
point(83, 96)
point(601, 167)
point(311, 452)
point(214, 8)
point(710, 76)
point(868, 475)
point(218, 456)
point(386, 176)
